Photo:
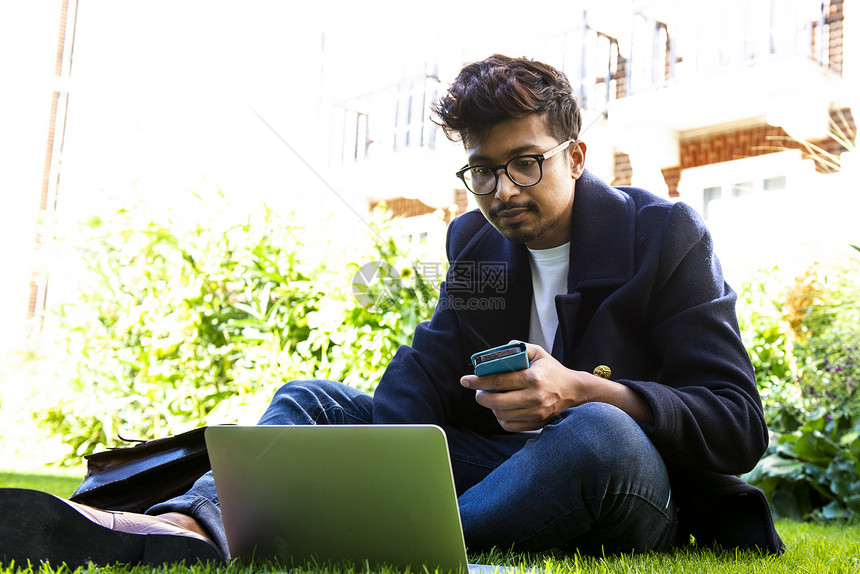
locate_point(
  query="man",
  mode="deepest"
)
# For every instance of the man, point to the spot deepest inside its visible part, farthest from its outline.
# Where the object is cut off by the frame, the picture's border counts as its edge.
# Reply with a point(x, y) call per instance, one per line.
point(639, 404)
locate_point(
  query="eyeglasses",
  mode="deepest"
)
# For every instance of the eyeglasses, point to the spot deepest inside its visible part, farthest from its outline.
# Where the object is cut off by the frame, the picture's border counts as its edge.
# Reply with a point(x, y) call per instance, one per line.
point(523, 170)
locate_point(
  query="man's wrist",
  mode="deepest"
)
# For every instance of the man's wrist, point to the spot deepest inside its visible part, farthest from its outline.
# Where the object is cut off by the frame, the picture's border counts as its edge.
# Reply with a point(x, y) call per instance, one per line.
point(599, 390)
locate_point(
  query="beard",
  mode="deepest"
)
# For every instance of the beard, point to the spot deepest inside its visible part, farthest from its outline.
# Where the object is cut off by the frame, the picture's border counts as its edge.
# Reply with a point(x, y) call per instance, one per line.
point(519, 232)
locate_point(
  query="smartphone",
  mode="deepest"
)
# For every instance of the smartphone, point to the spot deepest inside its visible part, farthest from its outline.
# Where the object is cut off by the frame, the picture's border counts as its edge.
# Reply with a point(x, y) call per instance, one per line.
point(502, 359)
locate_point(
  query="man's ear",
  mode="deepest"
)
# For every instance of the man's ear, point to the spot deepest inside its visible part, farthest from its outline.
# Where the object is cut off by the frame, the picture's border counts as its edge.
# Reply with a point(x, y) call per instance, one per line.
point(576, 153)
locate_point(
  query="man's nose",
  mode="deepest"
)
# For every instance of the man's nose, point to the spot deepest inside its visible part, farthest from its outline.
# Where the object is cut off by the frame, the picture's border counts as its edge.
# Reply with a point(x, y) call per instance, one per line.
point(505, 187)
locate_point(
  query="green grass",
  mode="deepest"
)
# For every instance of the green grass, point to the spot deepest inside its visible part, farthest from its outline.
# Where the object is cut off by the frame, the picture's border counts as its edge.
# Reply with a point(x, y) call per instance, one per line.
point(812, 548)
point(61, 484)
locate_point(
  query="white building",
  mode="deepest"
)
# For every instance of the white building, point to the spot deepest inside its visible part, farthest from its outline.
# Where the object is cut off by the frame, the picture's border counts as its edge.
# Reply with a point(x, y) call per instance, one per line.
point(703, 102)
point(706, 102)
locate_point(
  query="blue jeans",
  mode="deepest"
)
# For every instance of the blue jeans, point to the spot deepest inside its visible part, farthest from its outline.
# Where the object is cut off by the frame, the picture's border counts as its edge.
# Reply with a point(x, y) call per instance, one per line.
point(590, 481)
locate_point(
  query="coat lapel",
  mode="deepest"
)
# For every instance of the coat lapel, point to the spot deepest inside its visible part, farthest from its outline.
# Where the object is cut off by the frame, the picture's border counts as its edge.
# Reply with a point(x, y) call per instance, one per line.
point(601, 254)
point(493, 295)
point(494, 289)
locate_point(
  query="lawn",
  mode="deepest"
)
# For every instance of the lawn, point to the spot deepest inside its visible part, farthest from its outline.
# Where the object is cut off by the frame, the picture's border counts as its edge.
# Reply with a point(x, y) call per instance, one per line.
point(812, 548)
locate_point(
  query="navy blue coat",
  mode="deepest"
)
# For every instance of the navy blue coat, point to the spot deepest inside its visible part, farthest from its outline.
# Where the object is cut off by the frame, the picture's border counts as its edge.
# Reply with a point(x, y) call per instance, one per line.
point(646, 296)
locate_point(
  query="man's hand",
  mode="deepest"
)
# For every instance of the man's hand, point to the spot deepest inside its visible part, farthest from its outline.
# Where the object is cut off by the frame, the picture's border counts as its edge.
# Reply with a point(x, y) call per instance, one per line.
point(531, 398)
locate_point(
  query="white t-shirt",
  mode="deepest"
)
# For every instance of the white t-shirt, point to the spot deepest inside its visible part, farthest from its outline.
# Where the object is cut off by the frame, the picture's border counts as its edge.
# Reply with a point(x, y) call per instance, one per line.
point(549, 278)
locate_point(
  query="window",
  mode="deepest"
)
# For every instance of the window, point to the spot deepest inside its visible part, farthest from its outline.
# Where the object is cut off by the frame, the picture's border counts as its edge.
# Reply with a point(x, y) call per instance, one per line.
point(739, 190)
point(351, 133)
point(412, 124)
point(709, 195)
point(744, 188)
point(774, 183)
point(392, 118)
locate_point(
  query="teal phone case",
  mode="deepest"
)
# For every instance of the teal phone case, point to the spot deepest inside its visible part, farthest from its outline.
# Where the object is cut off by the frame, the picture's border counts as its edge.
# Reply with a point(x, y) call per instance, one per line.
point(501, 359)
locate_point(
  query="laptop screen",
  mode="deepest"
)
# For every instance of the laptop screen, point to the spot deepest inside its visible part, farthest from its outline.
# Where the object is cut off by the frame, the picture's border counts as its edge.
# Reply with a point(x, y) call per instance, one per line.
point(376, 494)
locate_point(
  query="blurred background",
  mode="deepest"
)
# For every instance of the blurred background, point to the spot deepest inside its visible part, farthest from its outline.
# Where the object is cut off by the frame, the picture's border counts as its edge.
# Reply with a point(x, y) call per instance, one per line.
point(214, 113)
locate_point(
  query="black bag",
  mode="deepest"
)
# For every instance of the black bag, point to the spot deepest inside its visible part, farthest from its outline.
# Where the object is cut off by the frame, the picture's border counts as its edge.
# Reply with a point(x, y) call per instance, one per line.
point(135, 478)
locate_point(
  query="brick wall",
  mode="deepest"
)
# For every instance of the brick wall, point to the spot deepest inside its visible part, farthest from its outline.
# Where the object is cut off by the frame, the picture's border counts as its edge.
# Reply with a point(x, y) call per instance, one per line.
point(47, 198)
point(620, 77)
point(764, 139)
point(833, 25)
point(830, 33)
point(750, 142)
point(405, 207)
point(672, 177)
point(728, 146)
point(623, 169)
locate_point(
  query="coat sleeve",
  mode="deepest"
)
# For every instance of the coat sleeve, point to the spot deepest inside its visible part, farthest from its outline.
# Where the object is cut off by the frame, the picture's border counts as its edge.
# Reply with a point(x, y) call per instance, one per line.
point(707, 410)
point(421, 384)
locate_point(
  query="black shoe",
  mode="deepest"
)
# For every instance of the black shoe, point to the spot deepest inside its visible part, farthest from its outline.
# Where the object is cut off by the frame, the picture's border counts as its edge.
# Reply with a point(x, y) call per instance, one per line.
point(38, 527)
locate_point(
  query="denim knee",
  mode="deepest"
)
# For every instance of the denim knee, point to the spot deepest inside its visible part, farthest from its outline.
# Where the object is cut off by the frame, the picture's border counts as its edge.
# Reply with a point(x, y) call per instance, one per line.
point(592, 472)
point(317, 401)
point(606, 438)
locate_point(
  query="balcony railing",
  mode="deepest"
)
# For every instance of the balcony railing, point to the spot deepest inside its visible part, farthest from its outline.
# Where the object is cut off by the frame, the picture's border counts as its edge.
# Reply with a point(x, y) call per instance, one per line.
point(394, 118)
point(723, 36)
point(718, 36)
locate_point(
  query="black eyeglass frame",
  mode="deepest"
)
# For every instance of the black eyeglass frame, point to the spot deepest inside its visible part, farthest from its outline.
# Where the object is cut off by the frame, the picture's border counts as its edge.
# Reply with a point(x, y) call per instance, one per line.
point(539, 157)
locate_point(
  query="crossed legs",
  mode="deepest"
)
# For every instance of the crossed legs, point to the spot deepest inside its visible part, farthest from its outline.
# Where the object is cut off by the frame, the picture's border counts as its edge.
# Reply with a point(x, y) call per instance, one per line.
point(591, 480)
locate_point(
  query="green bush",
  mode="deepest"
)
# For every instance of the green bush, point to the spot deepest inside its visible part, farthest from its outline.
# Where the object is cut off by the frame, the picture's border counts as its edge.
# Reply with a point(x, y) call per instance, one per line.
point(179, 325)
point(767, 341)
point(806, 356)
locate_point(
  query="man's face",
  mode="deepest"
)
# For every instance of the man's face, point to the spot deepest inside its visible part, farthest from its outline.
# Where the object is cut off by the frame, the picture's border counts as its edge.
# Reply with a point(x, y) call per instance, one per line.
point(538, 216)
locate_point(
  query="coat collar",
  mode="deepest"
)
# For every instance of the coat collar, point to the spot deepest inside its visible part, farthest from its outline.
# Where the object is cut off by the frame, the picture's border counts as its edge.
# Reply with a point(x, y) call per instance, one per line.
point(601, 256)
point(602, 236)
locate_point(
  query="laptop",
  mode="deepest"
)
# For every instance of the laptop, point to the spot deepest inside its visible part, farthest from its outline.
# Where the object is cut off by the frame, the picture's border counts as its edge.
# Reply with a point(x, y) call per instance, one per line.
point(340, 494)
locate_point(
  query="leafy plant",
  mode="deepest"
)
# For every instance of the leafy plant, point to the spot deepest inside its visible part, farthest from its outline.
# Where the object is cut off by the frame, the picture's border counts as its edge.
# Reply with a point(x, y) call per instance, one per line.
point(767, 339)
point(812, 468)
point(178, 325)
